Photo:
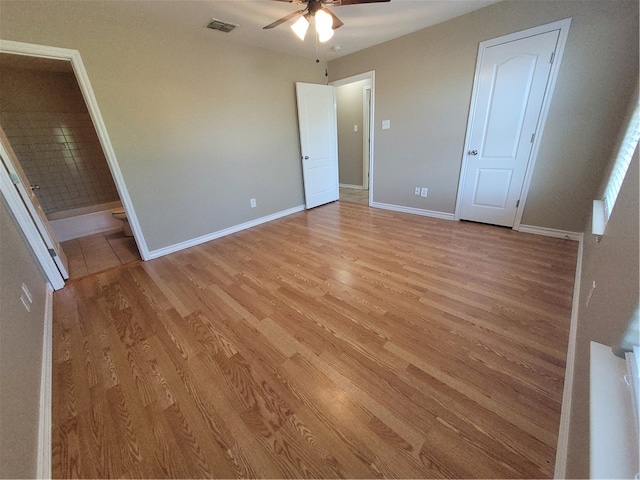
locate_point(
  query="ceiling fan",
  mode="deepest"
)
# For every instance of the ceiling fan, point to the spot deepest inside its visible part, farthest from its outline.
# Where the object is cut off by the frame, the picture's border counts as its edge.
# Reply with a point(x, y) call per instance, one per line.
point(326, 21)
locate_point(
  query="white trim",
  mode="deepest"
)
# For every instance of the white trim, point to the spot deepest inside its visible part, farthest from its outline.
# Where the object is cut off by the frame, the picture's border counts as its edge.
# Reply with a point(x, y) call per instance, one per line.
point(413, 211)
point(354, 187)
point(562, 449)
point(28, 227)
point(352, 79)
point(43, 467)
point(356, 78)
point(598, 218)
point(366, 137)
point(28, 49)
point(563, 26)
point(222, 233)
point(551, 232)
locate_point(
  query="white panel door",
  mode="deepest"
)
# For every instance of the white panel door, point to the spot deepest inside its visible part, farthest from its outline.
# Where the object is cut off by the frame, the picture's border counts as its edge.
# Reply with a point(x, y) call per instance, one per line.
point(512, 82)
point(31, 202)
point(318, 142)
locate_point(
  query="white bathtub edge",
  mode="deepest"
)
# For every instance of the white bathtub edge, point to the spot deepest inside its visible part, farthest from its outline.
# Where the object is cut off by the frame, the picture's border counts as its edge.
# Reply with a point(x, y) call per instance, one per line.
point(83, 225)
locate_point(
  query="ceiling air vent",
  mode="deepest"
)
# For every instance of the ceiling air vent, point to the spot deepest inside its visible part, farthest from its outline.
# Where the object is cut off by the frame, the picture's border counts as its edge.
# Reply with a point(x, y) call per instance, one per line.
point(225, 27)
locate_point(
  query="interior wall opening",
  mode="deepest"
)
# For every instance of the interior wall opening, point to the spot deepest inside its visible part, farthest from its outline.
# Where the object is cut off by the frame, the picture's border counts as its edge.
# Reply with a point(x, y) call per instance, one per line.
point(353, 102)
point(48, 126)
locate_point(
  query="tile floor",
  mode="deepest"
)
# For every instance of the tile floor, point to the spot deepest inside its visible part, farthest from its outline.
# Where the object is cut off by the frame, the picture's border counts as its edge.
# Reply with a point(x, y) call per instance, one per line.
point(98, 252)
point(354, 195)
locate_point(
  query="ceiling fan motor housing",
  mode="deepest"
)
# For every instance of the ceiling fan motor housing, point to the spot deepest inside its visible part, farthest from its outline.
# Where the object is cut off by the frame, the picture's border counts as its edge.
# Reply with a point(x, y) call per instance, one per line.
point(314, 6)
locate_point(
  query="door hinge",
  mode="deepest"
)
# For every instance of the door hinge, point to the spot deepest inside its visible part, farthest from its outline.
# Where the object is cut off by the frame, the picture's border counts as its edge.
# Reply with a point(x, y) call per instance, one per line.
point(14, 178)
point(517, 203)
point(533, 137)
point(553, 56)
point(53, 253)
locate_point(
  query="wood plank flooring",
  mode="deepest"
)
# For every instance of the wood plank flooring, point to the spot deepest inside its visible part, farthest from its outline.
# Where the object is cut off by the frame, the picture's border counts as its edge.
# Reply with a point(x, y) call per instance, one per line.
point(342, 342)
point(101, 251)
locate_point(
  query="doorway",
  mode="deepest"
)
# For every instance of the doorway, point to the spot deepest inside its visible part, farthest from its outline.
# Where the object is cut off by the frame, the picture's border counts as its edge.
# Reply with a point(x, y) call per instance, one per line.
point(512, 90)
point(354, 103)
point(55, 149)
point(49, 133)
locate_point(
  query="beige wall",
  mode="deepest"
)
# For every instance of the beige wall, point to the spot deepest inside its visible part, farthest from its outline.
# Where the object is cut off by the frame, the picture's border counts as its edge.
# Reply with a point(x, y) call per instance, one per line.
point(349, 100)
point(424, 82)
point(613, 265)
point(199, 125)
point(20, 351)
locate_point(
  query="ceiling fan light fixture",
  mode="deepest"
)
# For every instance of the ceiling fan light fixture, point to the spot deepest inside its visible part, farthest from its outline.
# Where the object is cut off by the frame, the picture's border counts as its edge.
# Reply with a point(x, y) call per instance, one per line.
point(324, 25)
point(325, 35)
point(300, 27)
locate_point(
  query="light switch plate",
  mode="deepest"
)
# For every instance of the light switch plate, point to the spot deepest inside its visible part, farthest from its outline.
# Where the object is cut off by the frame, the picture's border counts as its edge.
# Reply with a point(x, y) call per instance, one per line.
point(386, 124)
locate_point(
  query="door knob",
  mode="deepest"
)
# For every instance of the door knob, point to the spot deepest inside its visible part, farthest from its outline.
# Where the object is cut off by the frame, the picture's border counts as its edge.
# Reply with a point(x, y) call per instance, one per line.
point(472, 152)
point(306, 157)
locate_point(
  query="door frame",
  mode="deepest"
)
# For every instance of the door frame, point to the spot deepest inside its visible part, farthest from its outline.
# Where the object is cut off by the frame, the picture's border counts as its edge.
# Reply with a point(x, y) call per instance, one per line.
point(370, 75)
point(563, 27)
point(73, 56)
point(28, 227)
point(366, 137)
point(31, 202)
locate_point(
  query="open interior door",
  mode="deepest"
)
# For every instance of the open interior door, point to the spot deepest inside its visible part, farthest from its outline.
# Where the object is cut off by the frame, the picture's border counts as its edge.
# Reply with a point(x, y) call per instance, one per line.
point(32, 204)
point(318, 142)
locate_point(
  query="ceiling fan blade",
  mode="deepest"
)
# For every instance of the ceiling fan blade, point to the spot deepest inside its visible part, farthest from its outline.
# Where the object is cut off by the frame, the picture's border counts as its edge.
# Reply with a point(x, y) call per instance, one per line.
point(355, 2)
point(284, 19)
point(337, 23)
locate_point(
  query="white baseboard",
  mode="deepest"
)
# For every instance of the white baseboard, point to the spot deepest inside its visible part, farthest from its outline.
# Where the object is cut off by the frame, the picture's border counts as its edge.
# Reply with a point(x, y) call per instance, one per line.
point(562, 449)
point(222, 233)
point(43, 467)
point(355, 187)
point(551, 232)
point(413, 211)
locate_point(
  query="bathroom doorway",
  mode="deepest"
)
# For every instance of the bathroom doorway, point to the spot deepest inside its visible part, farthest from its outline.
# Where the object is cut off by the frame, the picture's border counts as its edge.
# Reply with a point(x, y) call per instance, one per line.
point(49, 128)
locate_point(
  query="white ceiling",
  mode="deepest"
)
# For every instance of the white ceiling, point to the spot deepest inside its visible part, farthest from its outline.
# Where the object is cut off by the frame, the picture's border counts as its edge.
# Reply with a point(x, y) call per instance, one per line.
point(364, 25)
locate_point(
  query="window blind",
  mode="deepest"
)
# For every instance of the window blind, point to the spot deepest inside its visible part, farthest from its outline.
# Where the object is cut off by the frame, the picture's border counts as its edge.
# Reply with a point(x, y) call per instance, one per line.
point(621, 164)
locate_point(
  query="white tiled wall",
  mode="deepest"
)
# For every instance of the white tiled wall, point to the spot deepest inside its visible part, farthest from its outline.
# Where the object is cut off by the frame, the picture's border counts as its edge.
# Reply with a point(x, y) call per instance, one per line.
point(61, 153)
point(56, 145)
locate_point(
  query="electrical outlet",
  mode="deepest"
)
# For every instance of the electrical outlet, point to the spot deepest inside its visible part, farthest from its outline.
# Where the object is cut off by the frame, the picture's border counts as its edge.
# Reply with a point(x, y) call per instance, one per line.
point(355, 128)
point(424, 191)
point(253, 203)
point(416, 191)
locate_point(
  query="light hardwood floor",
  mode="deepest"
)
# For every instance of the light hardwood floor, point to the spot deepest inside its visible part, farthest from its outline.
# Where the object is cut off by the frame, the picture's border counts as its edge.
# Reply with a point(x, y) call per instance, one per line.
point(341, 342)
